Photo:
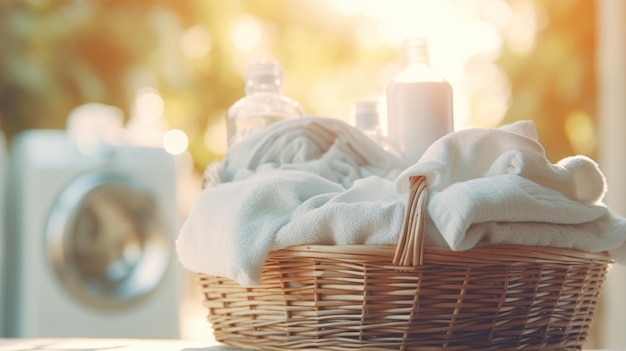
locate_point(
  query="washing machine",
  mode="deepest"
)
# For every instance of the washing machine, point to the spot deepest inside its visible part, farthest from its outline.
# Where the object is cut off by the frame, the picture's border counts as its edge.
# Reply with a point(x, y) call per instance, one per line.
point(90, 240)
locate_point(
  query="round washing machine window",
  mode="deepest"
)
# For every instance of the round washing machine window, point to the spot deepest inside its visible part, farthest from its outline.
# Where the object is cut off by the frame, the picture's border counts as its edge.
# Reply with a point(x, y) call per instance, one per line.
point(108, 240)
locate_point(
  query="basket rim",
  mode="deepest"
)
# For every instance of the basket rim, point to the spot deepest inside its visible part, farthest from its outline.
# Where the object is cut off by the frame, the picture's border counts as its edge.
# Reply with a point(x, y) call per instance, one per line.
point(509, 253)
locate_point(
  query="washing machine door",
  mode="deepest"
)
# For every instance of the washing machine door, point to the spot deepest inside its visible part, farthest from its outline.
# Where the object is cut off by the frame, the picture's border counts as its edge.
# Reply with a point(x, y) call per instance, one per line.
point(107, 240)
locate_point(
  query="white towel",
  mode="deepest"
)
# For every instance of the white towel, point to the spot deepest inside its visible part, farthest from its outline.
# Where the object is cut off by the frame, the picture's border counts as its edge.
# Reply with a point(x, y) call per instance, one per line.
point(511, 149)
point(306, 181)
point(319, 181)
point(603, 234)
point(327, 147)
point(497, 186)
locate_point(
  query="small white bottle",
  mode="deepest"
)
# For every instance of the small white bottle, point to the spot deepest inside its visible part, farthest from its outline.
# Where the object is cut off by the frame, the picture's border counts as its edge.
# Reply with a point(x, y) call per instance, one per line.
point(263, 103)
point(367, 120)
point(419, 103)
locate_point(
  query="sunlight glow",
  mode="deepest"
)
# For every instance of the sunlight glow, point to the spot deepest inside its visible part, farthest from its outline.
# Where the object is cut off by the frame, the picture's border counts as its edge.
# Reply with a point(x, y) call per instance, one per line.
point(246, 34)
point(399, 19)
point(527, 20)
point(457, 32)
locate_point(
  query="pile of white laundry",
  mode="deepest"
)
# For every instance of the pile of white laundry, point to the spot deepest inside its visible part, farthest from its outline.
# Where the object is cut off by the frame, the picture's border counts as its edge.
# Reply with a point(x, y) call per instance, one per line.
point(319, 180)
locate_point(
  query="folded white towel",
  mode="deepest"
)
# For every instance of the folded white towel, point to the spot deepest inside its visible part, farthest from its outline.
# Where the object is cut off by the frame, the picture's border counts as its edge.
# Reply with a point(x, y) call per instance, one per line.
point(511, 149)
point(503, 198)
point(603, 234)
point(497, 186)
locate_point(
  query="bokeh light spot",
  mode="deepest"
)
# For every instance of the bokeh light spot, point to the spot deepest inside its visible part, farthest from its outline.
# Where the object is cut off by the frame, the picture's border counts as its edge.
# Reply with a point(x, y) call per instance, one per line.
point(149, 103)
point(246, 34)
point(580, 131)
point(175, 142)
point(196, 42)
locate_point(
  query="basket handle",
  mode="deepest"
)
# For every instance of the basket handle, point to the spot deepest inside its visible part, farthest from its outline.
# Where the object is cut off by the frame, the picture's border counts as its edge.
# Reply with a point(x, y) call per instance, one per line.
point(410, 248)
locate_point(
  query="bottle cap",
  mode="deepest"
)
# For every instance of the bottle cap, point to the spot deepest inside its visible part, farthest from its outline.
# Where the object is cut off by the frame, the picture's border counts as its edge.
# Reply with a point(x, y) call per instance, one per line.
point(416, 50)
point(366, 114)
point(264, 71)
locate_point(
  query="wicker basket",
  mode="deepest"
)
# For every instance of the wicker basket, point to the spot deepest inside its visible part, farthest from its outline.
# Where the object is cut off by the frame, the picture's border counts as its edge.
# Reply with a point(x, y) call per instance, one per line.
point(411, 298)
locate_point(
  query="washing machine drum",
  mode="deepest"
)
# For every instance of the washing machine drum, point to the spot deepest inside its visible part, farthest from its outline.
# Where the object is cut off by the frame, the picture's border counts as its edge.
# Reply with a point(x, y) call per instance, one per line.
point(107, 240)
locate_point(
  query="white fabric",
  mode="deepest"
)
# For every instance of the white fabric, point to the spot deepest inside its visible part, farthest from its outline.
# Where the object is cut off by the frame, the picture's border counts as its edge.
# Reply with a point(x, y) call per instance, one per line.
point(319, 181)
point(511, 149)
point(310, 180)
point(327, 147)
point(496, 186)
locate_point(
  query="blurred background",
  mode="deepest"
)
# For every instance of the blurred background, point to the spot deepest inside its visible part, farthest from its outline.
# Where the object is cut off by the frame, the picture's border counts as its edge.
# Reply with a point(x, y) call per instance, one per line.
point(506, 60)
point(175, 67)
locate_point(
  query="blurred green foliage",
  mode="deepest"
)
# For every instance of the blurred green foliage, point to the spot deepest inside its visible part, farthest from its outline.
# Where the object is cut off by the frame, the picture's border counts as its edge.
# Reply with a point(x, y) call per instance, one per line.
point(57, 54)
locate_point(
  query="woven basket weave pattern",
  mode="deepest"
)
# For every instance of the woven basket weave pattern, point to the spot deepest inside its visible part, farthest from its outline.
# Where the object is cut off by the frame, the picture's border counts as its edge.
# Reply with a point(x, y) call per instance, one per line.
point(313, 298)
point(352, 297)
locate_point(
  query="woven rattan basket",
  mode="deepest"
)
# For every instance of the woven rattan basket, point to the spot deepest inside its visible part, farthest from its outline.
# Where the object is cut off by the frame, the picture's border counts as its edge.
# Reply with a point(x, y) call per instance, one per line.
point(407, 297)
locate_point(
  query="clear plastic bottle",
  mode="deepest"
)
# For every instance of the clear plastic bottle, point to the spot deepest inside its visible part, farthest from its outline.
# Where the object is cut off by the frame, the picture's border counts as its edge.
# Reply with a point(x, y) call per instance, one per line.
point(367, 120)
point(419, 103)
point(263, 103)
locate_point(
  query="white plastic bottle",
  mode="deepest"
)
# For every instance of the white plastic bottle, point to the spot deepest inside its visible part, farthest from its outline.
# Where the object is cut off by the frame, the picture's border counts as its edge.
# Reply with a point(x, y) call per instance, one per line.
point(419, 103)
point(263, 103)
point(367, 120)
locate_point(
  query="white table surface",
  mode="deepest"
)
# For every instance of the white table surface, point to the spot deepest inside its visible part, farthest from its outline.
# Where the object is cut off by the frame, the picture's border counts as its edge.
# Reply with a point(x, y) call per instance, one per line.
point(71, 344)
point(120, 345)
